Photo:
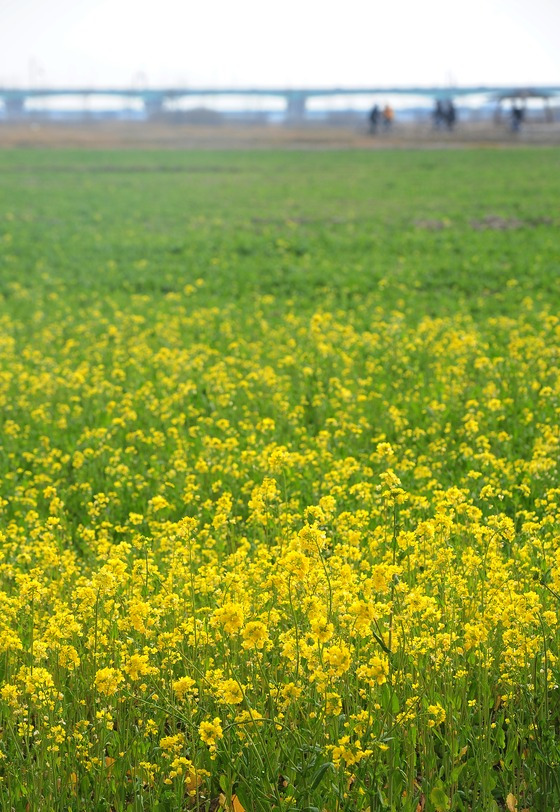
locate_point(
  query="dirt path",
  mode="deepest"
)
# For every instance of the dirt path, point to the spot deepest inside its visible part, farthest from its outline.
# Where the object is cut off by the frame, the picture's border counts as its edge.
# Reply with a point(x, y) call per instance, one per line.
point(115, 135)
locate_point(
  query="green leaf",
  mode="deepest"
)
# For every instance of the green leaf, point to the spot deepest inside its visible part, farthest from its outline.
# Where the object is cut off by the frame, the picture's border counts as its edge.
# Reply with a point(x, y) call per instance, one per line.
point(512, 753)
point(244, 798)
point(382, 799)
point(389, 699)
point(381, 643)
point(500, 738)
point(320, 774)
point(458, 805)
point(456, 772)
point(439, 799)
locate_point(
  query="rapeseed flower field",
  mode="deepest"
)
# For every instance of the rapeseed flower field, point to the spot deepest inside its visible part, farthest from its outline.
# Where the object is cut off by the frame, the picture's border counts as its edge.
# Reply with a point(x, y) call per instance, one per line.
point(280, 493)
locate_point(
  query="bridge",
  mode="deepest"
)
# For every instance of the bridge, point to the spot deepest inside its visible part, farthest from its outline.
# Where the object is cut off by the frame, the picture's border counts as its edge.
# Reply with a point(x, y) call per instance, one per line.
point(155, 100)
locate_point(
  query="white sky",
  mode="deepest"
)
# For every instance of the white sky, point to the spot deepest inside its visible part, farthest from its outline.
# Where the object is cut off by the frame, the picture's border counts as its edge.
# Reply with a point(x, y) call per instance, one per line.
point(293, 43)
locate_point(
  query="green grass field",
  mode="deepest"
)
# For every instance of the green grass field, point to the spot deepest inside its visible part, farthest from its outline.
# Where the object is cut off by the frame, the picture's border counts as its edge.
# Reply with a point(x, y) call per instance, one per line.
point(280, 500)
point(286, 224)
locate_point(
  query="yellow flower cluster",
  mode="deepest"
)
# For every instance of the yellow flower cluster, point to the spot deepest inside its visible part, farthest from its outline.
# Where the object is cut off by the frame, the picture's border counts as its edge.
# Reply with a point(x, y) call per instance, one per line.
point(332, 539)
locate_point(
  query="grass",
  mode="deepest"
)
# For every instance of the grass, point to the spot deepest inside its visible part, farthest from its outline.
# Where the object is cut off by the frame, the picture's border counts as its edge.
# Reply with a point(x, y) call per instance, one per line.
point(279, 481)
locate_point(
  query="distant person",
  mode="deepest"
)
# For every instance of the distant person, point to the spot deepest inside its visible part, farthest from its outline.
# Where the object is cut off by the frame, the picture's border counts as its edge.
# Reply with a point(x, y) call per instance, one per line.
point(374, 119)
point(438, 115)
point(516, 118)
point(450, 114)
point(388, 117)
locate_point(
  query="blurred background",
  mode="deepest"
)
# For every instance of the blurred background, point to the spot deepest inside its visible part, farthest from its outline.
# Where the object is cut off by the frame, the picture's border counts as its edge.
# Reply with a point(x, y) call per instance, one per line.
point(377, 70)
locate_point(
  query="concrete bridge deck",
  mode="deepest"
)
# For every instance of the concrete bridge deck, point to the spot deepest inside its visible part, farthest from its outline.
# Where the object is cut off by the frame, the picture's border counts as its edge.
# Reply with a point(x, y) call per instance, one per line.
point(156, 99)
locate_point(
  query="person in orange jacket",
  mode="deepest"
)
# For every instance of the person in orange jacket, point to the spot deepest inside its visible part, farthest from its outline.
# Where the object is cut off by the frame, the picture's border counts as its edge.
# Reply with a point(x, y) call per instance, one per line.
point(388, 116)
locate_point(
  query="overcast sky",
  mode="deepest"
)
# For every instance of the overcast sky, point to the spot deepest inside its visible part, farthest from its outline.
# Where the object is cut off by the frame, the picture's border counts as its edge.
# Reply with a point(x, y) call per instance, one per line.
point(293, 43)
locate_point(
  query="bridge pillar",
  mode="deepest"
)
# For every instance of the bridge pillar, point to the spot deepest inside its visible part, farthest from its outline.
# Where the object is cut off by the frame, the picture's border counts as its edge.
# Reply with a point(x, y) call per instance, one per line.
point(295, 106)
point(153, 105)
point(14, 106)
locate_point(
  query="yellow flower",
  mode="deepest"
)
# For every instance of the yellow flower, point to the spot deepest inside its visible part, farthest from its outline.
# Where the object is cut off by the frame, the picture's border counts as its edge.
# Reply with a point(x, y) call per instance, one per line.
point(9, 694)
point(158, 503)
point(68, 658)
point(290, 692)
point(211, 733)
point(338, 658)
point(295, 563)
point(255, 635)
point(229, 616)
point(333, 704)
point(184, 687)
point(322, 629)
point(107, 681)
point(38, 683)
point(138, 666)
point(348, 752)
point(173, 744)
point(230, 692)
point(374, 672)
point(437, 714)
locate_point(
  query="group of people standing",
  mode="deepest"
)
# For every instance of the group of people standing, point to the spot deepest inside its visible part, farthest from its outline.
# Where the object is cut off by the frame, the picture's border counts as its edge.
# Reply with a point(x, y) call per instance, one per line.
point(445, 115)
point(384, 117)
